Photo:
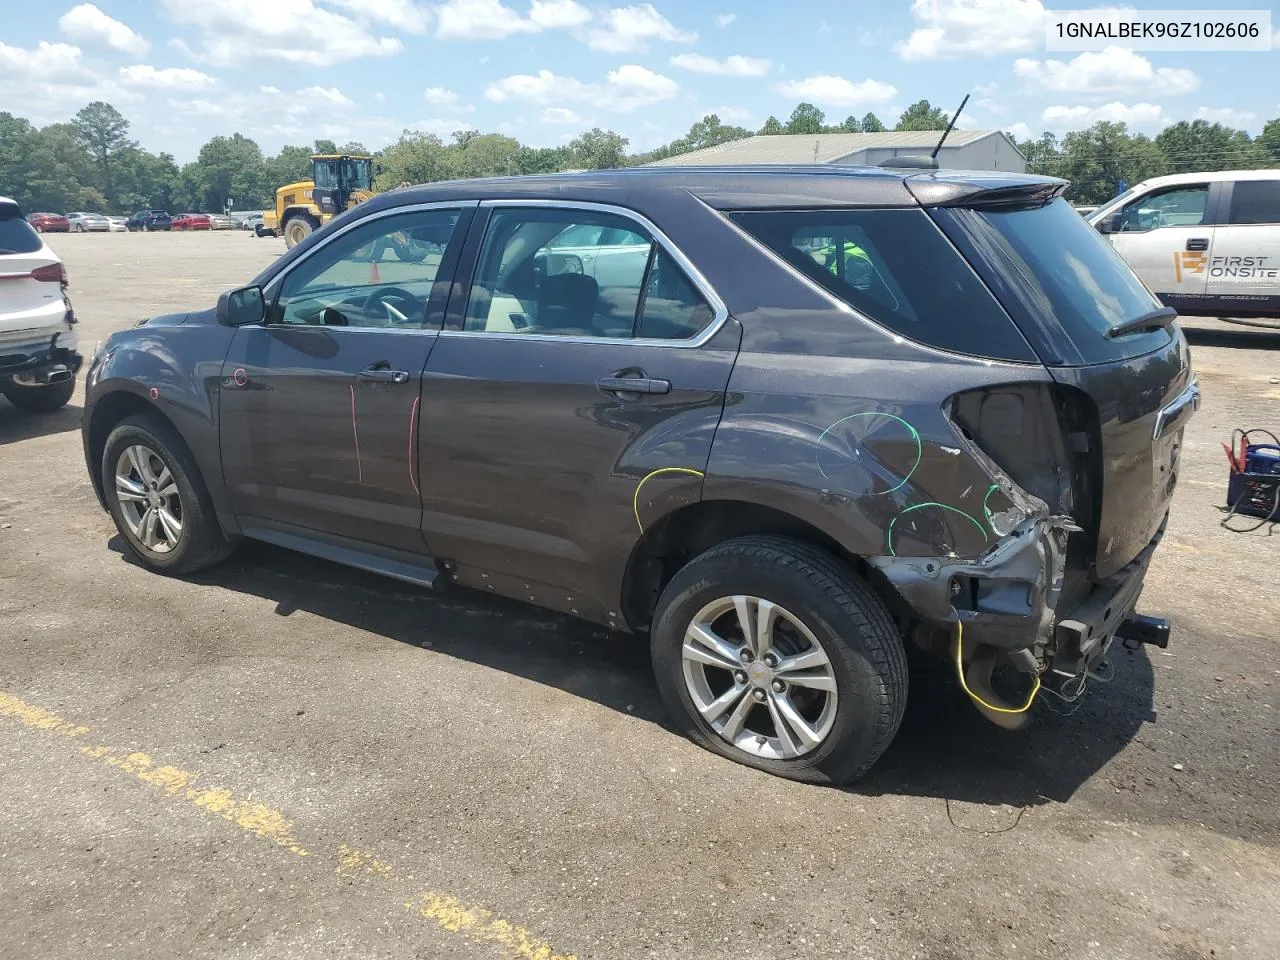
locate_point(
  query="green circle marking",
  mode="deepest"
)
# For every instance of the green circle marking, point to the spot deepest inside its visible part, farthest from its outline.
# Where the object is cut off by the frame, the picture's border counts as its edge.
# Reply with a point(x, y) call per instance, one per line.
point(941, 506)
point(914, 436)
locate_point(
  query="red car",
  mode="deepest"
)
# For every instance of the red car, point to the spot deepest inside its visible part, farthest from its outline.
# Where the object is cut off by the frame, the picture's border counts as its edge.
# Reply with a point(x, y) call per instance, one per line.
point(191, 221)
point(49, 222)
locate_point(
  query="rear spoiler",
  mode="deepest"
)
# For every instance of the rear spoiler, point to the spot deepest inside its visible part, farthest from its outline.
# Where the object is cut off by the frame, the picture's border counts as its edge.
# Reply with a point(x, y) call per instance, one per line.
point(985, 193)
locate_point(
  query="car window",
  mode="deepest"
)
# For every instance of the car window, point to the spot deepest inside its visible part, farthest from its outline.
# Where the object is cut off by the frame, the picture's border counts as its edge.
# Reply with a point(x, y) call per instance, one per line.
point(579, 273)
point(379, 274)
point(1255, 201)
point(16, 235)
point(1175, 207)
point(895, 267)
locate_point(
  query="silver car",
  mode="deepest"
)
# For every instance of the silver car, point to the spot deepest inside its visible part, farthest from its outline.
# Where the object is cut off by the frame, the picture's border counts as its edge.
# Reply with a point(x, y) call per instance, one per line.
point(218, 221)
point(88, 223)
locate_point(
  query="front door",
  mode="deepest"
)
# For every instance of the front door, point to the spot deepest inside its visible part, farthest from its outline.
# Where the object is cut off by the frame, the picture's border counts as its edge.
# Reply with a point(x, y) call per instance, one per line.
point(1244, 271)
point(1165, 236)
point(568, 406)
point(319, 405)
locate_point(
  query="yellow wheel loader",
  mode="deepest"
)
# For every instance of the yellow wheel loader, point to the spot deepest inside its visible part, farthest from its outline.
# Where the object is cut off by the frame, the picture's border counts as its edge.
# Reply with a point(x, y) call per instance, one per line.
point(338, 181)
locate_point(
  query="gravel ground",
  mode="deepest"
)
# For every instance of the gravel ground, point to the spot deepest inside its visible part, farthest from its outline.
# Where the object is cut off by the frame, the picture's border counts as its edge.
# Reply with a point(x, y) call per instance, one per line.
point(285, 758)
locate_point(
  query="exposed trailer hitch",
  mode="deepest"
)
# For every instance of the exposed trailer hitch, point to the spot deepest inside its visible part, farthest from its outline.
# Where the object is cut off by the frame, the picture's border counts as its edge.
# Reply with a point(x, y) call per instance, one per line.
point(1138, 629)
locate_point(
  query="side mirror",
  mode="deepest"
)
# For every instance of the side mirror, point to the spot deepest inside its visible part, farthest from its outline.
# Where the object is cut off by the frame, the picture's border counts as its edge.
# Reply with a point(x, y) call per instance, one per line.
point(240, 308)
point(1109, 224)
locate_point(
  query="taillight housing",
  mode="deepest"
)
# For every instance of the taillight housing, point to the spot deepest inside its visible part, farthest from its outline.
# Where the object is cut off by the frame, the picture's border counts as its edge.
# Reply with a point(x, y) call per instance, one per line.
point(51, 273)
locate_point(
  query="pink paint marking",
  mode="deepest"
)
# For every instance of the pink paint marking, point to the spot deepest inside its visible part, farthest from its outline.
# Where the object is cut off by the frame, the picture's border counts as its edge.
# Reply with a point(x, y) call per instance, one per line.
point(155, 394)
point(413, 428)
point(355, 433)
point(240, 377)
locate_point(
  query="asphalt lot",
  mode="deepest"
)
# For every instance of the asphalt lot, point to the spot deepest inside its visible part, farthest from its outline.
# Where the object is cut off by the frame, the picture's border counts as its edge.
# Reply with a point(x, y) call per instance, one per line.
point(284, 758)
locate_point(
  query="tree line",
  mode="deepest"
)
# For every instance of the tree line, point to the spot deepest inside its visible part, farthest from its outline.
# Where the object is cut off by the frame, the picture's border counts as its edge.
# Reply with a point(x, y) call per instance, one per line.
point(91, 162)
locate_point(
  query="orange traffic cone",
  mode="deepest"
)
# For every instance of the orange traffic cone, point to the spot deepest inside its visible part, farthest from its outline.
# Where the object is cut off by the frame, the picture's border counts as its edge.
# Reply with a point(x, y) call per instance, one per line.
point(373, 273)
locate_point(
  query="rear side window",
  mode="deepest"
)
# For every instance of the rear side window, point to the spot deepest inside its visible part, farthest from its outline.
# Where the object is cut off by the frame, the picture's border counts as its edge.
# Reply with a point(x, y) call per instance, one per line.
point(1255, 201)
point(1059, 278)
point(16, 235)
point(895, 267)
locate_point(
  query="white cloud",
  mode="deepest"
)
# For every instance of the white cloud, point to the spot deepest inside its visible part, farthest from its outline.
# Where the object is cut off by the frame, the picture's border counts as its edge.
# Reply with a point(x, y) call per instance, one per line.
point(329, 94)
point(560, 115)
point(1019, 131)
point(175, 79)
point(626, 88)
point(295, 31)
point(1148, 116)
point(985, 28)
point(724, 19)
point(1111, 70)
point(629, 29)
point(558, 14)
point(734, 66)
point(47, 62)
point(90, 25)
point(269, 89)
point(1240, 119)
point(407, 15)
point(441, 126)
point(731, 115)
point(839, 92)
point(439, 95)
point(991, 106)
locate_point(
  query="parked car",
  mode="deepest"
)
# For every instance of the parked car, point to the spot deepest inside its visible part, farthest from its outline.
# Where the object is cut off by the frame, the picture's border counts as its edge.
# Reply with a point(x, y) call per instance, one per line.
point(1207, 244)
point(148, 220)
point(38, 357)
point(118, 224)
point(1084, 209)
point(88, 223)
point(219, 221)
point(248, 221)
point(49, 222)
point(831, 412)
point(191, 221)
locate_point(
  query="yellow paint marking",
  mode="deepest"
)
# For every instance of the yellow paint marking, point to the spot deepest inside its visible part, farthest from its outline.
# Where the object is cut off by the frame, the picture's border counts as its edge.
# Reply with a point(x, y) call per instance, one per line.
point(349, 858)
point(635, 501)
point(38, 717)
point(444, 911)
point(482, 926)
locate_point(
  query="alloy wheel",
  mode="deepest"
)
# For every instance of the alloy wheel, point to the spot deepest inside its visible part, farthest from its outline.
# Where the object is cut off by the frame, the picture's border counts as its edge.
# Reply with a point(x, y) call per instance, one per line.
point(759, 677)
point(149, 499)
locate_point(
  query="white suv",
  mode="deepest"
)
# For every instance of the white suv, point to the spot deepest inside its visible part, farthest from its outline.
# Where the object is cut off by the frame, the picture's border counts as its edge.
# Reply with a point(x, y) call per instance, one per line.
point(38, 358)
point(1207, 244)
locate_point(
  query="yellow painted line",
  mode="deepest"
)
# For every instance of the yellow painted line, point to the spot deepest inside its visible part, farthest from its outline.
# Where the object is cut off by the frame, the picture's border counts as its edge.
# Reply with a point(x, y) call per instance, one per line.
point(444, 911)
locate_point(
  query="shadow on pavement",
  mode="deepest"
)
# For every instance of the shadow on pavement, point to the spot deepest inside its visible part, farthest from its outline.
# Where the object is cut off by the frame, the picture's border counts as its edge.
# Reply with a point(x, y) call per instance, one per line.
point(944, 748)
point(16, 425)
point(1238, 337)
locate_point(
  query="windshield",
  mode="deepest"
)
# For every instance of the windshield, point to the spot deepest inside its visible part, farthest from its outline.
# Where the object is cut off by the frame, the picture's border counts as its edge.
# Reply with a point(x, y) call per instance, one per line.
point(1059, 278)
point(356, 174)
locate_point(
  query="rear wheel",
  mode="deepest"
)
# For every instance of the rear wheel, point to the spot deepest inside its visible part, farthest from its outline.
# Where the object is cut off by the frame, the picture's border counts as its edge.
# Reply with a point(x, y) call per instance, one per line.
point(774, 654)
point(45, 399)
point(297, 229)
point(158, 500)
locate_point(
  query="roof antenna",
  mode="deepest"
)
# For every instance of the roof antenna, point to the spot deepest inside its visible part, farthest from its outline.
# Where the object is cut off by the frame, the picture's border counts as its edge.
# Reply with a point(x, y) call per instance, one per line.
point(954, 118)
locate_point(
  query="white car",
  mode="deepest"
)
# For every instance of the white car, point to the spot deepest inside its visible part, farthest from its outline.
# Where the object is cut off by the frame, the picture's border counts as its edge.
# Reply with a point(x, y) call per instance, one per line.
point(38, 357)
point(1207, 244)
point(88, 223)
point(117, 224)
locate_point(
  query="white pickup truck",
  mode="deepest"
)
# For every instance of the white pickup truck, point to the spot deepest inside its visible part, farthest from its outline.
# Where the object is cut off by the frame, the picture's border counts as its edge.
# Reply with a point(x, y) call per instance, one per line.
point(38, 357)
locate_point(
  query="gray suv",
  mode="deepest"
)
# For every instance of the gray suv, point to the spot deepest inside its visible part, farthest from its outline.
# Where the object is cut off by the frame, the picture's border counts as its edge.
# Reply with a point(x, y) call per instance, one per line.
point(787, 422)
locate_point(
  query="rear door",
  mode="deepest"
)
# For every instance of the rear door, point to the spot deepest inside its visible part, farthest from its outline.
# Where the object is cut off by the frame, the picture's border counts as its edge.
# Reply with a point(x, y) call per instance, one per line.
point(1069, 293)
point(563, 414)
point(1244, 269)
point(319, 405)
point(1166, 236)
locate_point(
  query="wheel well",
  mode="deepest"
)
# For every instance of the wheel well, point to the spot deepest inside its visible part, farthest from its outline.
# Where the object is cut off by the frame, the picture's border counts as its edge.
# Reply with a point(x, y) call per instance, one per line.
point(108, 412)
point(299, 213)
point(680, 536)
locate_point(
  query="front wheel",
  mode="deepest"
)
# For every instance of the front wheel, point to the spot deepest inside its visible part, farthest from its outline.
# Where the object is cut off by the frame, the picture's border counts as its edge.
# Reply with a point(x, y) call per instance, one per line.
point(298, 229)
point(158, 500)
point(775, 654)
point(43, 399)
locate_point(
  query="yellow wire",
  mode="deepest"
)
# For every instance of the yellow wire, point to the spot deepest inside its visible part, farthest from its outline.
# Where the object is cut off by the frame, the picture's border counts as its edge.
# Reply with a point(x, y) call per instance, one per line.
point(973, 696)
point(635, 501)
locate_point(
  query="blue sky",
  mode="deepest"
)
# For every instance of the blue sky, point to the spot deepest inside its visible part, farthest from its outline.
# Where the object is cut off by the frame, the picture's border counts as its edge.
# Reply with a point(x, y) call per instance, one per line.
point(289, 71)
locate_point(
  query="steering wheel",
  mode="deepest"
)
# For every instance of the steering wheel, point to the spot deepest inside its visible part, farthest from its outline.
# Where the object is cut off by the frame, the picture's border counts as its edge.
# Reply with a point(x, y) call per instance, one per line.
point(394, 314)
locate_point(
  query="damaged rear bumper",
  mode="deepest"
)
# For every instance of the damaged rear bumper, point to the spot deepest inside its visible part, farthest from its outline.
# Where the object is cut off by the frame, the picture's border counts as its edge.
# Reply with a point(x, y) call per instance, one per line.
point(1009, 597)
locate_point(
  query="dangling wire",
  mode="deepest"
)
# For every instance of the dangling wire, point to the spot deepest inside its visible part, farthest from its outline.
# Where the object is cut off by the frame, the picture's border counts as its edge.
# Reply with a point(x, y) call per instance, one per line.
point(959, 645)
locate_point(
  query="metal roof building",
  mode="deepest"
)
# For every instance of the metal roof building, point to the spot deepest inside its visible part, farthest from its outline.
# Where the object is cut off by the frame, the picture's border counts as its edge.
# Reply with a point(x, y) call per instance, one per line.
point(963, 150)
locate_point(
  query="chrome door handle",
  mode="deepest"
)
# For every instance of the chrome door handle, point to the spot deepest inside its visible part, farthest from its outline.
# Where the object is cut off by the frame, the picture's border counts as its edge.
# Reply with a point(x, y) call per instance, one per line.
point(633, 385)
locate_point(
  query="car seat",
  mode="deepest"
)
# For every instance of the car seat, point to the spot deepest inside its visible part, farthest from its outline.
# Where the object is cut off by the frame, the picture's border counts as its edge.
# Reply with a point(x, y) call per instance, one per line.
point(567, 304)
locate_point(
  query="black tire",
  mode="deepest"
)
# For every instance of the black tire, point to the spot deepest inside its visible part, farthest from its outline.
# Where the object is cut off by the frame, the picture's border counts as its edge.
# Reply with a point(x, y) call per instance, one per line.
point(865, 649)
point(42, 399)
point(298, 228)
point(202, 543)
